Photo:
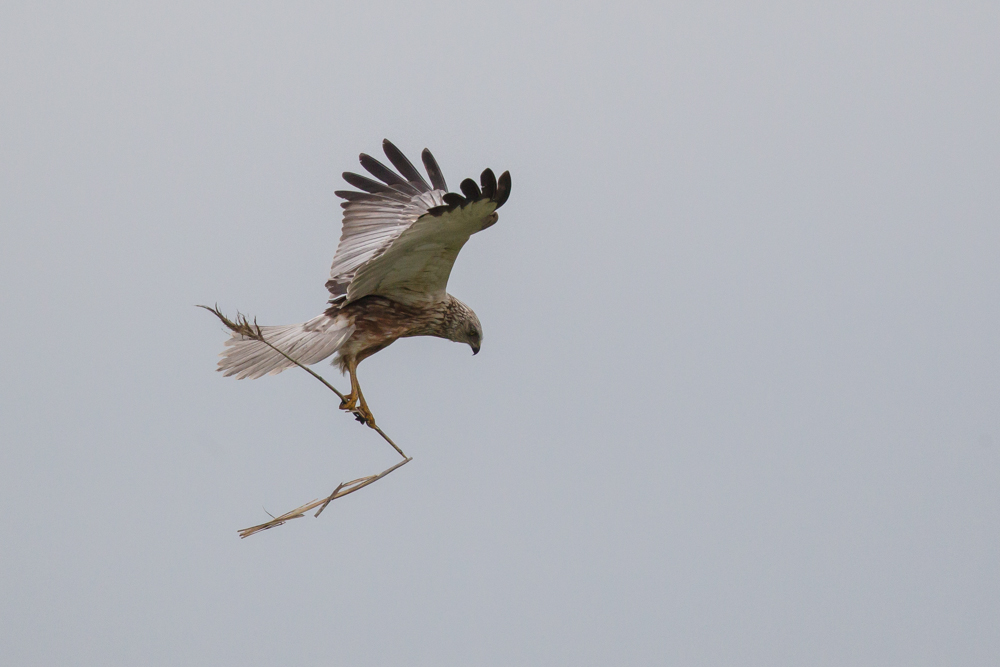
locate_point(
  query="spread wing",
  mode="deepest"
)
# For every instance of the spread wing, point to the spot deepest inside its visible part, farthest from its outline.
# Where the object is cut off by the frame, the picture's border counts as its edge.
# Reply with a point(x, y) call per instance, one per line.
point(402, 234)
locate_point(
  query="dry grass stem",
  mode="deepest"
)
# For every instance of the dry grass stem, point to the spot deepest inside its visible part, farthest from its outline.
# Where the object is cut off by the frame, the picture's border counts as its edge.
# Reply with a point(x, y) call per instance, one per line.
point(243, 327)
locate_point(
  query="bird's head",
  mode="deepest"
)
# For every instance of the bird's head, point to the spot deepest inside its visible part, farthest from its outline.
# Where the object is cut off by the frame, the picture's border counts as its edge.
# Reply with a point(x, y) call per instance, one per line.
point(463, 326)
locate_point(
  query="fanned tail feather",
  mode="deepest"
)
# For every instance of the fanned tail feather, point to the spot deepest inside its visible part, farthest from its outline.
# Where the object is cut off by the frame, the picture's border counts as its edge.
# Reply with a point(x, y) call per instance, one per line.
point(308, 343)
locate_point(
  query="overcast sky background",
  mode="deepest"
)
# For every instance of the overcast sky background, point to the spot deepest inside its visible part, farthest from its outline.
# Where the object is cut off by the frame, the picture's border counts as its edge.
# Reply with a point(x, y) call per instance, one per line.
point(737, 402)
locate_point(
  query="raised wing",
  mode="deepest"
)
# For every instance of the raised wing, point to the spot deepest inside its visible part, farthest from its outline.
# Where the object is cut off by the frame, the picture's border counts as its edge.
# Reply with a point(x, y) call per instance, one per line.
point(401, 235)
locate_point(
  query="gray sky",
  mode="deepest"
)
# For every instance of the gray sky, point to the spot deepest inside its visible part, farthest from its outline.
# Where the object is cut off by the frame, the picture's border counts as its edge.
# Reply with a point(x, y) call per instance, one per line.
point(737, 400)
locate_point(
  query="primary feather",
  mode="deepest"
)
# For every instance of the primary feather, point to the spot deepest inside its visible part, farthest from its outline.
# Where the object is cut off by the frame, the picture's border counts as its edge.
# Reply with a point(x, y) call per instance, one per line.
point(400, 238)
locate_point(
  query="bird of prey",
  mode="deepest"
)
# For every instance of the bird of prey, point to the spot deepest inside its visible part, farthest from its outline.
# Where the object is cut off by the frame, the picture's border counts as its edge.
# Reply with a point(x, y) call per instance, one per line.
point(400, 238)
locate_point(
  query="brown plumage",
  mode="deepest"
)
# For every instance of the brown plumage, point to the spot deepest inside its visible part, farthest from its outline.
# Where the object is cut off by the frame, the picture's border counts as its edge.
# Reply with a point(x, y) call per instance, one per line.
point(379, 322)
point(400, 239)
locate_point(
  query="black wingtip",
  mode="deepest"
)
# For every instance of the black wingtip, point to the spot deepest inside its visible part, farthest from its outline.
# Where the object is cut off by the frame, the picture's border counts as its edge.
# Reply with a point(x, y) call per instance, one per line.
point(351, 195)
point(503, 189)
point(470, 189)
point(384, 174)
point(433, 170)
point(403, 164)
point(362, 183)
point(374, 187)
point(489, 183)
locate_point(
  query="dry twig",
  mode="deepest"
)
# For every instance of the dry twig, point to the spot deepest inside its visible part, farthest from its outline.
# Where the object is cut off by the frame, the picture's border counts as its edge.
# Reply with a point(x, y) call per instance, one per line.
point(243, 327)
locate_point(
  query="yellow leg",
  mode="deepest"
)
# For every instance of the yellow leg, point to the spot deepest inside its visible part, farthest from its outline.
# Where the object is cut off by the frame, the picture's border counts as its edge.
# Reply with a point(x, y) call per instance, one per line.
point(363, 410)
point(350, 402)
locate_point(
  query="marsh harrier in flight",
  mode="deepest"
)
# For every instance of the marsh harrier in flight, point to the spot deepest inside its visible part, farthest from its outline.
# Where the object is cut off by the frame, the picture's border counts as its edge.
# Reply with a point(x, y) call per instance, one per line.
point(400, 238)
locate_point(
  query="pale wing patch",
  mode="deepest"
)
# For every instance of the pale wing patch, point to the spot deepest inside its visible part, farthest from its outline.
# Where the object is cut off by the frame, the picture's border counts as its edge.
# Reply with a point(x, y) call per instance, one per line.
point(371, 226)
point(401, 235)
point(417, 264)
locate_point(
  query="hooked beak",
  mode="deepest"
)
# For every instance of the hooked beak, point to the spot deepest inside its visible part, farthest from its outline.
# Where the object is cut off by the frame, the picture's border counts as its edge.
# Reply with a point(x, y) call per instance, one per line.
point(475, 349)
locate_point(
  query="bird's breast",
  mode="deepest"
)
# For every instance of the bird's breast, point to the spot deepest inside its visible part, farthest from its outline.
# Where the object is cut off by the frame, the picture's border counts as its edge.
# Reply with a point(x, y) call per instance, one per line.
point(378, 322)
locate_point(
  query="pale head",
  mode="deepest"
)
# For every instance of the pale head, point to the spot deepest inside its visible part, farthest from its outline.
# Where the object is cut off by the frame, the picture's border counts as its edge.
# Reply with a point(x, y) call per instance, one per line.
point(461, 325)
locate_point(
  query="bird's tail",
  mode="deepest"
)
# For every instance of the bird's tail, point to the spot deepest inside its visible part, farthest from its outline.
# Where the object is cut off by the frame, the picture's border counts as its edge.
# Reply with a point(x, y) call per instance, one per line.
point(307, 343)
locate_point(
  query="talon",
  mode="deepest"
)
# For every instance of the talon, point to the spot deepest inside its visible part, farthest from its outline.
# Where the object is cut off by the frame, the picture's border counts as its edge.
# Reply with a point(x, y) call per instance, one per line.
point(355, 401)
point(364, 415)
